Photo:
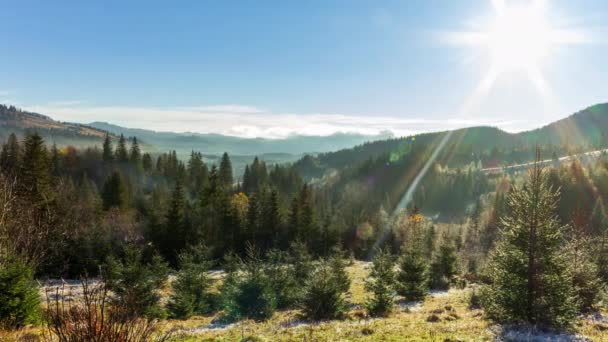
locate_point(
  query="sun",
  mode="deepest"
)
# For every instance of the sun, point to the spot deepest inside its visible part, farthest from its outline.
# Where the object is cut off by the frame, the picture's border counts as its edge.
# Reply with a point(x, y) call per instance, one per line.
point(519, 38)
point(516, 38)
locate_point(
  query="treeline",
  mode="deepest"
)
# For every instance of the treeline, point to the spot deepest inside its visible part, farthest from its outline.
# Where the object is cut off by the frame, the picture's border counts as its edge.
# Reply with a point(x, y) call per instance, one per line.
point(67, 210)
point(88, 203)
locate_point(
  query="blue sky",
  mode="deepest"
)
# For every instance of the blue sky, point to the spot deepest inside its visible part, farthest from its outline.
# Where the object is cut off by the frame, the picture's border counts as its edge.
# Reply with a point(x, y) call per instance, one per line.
point(274, 68)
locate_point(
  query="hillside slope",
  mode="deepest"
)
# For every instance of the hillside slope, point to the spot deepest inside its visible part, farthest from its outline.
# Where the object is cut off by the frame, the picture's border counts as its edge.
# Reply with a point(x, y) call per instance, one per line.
point(13, 120)
point(588, 126)
point(581, 131)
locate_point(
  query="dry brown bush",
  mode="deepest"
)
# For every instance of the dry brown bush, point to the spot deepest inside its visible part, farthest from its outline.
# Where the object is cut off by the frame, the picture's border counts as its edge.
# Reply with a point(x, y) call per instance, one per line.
point(92, 318)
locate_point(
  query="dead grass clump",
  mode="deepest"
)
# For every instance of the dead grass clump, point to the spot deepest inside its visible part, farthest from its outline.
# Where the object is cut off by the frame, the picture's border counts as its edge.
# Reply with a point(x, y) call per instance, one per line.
point(93, 319)
point(367, 331)
point(433, 318)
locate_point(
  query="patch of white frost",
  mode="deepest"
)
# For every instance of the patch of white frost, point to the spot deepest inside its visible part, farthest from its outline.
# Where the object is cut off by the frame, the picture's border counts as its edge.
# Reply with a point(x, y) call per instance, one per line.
point(212, 327)
point(531, 334)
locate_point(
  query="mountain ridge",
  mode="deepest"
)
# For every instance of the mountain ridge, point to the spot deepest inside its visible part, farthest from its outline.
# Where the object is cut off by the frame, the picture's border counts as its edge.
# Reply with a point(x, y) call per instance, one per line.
point(587, 127)
point(583, 129)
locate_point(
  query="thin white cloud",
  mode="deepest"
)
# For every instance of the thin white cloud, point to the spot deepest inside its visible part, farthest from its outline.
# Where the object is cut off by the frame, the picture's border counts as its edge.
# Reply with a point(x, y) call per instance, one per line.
point(65, 103)
point(9, 102)
point(4, 93)
point(224, 108)
point(247, 121)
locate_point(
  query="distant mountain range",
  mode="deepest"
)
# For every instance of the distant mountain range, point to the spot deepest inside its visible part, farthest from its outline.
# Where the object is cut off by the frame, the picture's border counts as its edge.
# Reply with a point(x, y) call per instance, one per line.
point(14, 120)
point(586, 127)
point(217, 143)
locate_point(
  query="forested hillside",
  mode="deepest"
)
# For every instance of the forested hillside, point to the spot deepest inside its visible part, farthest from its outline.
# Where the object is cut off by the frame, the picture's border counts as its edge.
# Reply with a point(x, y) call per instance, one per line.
point(582, 131)
point(426, 220)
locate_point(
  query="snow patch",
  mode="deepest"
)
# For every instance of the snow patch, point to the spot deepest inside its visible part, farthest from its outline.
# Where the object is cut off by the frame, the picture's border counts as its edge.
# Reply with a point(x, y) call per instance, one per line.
point(409, 306)
point(295, 324)
point(597, 318)
point(531, 334)
point(212, 327)
point(439, 293)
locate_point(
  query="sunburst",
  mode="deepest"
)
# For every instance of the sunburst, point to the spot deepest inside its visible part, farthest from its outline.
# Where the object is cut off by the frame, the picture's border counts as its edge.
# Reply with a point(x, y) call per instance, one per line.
point(517, 38)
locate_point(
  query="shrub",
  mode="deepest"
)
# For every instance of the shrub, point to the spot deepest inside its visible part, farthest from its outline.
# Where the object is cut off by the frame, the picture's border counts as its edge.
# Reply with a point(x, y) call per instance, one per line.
point(247, 291)
point(413, 277)
point(92, 319)
point(135, 284)
point(474, 300)
point(282, 280)
point(586, 282)
point(381, 284)
point(18, 294)
point(443, 267)
point(338, 263)
point(323, 298)
point(301, 260)
point(190, 288)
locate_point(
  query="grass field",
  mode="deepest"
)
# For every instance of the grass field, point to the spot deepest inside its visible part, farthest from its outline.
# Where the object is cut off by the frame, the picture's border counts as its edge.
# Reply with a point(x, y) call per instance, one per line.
point(443, 316)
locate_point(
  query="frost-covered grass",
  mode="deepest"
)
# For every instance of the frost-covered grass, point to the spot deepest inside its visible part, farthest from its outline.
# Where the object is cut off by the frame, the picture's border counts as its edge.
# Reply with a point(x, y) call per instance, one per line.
point(407, 323)
point(442, 316)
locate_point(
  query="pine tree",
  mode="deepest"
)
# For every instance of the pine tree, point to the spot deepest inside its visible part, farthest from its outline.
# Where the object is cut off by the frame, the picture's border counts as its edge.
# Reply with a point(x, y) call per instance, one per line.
point(55, 162)
point(491, 229)
point(294, 219)
point(114, 192)
point(212, 213)
point(247, 182)
point(301, 260)
point(19, 295)
point(472, 240)
point(443, 267)
point(226, 177)
point(585, 273)
point(307, 226)
point(323, 295)
point(198, 174)
point(177, 232)
point(271, 218)
point(191, 287)
point(229, 225)
point(528, 269)
point(135, 153)
point(10, 157)
point(254, 220)
point(256, 176)
point(381, 284)
point(146, 161)
point(247, 291)
point(413, 275)
point(107, 153)
point(35, 176)
point(429, 241)
point(135, 284)
point(337, 262)
point(121, 154)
